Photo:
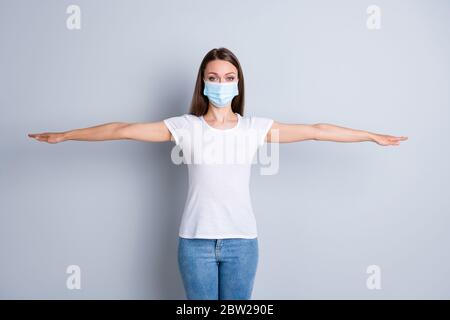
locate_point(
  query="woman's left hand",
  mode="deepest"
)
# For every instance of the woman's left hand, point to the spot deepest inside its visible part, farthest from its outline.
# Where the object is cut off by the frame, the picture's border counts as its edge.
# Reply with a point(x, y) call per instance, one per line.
point(387, 140)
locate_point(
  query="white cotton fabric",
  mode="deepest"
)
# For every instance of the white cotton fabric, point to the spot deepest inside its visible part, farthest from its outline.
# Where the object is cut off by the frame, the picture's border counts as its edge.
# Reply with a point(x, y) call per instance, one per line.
point(218, 203)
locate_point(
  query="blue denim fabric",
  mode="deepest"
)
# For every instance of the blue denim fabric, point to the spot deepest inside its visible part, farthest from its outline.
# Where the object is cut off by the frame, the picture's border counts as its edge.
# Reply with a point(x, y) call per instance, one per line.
point(218, 269)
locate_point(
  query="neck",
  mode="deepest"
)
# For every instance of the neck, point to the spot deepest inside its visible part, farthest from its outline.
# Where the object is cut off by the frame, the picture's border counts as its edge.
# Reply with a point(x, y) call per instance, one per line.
point(220, 114)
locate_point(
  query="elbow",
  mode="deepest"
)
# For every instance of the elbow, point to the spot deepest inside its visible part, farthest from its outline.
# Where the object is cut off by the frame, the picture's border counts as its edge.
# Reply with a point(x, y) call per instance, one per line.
point(122, 130)
point(317, 131)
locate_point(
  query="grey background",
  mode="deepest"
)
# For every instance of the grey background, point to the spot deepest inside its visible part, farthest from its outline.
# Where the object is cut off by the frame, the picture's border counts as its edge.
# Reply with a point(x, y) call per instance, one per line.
point(114, 207)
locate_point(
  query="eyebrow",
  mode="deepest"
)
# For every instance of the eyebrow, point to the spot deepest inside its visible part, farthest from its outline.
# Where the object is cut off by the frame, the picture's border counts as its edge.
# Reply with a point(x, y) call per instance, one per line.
point(225, 73)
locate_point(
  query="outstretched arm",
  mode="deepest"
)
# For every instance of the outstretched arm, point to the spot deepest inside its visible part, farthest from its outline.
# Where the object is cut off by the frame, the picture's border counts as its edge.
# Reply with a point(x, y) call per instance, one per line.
point(285, 132)
point(150, 131)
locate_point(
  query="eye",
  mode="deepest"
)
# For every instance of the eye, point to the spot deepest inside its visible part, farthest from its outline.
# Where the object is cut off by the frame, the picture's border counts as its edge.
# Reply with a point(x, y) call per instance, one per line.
point(211, 78)
point(231, 79)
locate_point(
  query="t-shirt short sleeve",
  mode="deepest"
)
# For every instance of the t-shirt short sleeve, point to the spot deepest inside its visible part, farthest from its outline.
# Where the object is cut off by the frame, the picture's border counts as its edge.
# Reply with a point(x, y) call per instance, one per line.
point(175, 125)
point(262, 126)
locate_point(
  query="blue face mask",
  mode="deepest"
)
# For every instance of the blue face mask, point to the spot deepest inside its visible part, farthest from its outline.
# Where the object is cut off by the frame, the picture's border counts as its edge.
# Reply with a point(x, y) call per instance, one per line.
point(220, 94)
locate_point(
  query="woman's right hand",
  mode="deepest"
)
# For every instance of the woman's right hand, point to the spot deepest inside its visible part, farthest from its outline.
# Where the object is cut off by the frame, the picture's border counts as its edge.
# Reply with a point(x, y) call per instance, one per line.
point(49, 137)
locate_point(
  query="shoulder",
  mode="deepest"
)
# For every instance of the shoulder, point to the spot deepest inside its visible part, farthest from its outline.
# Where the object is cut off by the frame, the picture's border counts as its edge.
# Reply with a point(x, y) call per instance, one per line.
point(260, 126)
point(191, 118)
point(258, 122)
point(182, 120)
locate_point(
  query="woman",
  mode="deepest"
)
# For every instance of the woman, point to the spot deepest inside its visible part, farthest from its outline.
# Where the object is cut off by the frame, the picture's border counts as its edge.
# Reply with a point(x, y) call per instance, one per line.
point(218, 244)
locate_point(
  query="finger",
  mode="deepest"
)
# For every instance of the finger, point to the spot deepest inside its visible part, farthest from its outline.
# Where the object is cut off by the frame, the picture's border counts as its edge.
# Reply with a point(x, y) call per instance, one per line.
point(390, 142)
point(39, 136)
point(399, 138)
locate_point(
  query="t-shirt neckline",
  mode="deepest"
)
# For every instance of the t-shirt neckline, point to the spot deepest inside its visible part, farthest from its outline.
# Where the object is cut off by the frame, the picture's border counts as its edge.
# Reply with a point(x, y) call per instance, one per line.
point(228, 129)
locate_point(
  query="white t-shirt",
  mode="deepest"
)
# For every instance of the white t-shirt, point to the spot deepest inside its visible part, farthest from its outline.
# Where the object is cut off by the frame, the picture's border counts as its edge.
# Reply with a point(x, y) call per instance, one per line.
point(218, 203)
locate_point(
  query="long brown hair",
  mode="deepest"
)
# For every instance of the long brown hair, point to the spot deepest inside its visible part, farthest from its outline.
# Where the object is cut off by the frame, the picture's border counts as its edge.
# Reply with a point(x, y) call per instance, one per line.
point(199, 104)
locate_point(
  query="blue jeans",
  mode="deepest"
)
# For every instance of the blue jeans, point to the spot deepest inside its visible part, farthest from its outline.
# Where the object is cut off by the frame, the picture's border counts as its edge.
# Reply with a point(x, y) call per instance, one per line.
point(218, 269)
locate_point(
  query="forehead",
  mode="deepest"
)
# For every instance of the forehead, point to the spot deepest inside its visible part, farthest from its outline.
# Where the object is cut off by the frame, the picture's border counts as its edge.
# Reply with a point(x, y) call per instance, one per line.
point(220, 67)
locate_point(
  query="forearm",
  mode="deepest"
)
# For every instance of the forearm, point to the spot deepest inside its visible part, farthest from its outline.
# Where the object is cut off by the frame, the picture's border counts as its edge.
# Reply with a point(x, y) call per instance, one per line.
point(330, 132)
point(107, 131)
